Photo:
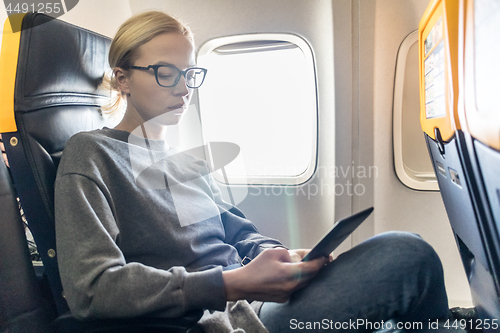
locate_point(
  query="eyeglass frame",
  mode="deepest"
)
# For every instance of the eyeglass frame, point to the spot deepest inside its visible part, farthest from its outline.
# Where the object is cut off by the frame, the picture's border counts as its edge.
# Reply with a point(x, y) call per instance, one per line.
point(181, 73)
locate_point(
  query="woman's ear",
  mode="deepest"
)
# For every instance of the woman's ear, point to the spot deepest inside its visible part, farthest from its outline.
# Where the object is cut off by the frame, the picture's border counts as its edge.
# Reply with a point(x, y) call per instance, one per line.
point(121, 80)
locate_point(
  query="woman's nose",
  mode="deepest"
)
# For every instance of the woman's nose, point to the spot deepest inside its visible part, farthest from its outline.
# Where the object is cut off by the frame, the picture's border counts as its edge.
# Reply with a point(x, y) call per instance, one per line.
point(181, 88)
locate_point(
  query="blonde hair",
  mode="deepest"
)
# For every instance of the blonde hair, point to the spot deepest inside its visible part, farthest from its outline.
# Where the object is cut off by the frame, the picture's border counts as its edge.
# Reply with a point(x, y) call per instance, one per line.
point(135, 32)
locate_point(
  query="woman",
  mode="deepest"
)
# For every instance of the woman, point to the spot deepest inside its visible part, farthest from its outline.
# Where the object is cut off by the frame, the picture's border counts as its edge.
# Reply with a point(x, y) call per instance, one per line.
point(142, 229)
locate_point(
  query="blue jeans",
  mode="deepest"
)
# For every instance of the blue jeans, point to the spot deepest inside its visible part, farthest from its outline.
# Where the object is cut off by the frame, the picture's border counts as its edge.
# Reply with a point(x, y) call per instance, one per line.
point(393, 275)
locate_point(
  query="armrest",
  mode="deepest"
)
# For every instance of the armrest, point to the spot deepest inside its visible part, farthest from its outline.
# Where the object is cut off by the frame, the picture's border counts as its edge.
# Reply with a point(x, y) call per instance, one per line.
point(69, 324)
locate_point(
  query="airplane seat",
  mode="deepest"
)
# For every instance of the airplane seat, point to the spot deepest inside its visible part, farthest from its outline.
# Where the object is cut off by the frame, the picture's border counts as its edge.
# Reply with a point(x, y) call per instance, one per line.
point(50, 71)
point(479, 116)
point(439, 99)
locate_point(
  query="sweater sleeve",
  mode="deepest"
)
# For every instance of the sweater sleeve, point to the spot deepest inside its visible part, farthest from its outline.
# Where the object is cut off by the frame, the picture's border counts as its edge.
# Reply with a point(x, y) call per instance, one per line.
point(240, 232)
point(97, 280)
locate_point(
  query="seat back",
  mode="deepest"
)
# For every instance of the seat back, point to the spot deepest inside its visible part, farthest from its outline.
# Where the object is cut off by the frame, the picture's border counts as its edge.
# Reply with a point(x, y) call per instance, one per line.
point(479, 116)
point(55, 68)
point(440, 96)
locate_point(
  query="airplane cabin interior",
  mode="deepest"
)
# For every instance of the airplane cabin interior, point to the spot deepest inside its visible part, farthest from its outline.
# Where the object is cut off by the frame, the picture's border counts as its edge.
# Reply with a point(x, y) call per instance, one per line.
point(310, 111)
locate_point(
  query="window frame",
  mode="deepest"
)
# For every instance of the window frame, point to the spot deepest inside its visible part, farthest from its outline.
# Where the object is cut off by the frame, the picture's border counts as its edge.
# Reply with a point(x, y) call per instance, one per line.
point(213, 44)
point(413, 179)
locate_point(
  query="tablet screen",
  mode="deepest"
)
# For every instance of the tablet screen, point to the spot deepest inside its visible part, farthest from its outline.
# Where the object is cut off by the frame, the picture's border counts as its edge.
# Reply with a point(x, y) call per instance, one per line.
point(339, 232)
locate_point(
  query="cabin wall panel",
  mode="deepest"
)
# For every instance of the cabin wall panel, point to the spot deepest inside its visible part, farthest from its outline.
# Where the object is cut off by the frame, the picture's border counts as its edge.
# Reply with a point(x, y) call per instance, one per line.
point(104, 17)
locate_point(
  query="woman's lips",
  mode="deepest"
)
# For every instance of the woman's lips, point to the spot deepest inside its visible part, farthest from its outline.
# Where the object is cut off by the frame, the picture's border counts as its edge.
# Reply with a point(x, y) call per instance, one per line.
point(180, 107)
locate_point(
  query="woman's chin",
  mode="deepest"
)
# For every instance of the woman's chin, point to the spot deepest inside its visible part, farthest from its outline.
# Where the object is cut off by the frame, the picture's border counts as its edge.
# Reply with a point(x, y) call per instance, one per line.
point(170, 118)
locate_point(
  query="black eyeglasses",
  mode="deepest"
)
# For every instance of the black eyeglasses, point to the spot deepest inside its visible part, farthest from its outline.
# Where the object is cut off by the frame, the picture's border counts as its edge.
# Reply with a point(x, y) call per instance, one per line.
point(168, 75)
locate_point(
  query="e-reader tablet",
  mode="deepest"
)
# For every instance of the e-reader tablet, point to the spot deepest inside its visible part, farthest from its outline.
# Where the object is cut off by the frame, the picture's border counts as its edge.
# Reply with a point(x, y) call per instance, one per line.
point(337, 234)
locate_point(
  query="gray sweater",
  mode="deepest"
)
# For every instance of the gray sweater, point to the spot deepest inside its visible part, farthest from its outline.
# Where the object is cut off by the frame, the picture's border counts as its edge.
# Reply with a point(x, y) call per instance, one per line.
point(123, 250)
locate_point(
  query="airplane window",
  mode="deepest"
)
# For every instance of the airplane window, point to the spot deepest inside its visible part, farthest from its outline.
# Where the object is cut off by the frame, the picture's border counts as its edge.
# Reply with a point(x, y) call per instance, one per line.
point(412, 163)
point(260, 93)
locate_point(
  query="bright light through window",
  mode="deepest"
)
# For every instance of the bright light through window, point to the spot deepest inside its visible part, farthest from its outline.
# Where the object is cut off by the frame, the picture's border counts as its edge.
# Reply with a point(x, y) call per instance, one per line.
point(261, 95)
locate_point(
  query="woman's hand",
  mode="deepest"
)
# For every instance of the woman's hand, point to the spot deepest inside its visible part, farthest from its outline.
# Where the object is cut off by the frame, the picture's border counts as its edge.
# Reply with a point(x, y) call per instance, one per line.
point(298, 254)
point(272, 276)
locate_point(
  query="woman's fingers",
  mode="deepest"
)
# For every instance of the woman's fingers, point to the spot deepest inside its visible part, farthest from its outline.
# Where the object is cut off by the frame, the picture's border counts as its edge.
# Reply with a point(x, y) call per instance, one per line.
point(271, 276)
